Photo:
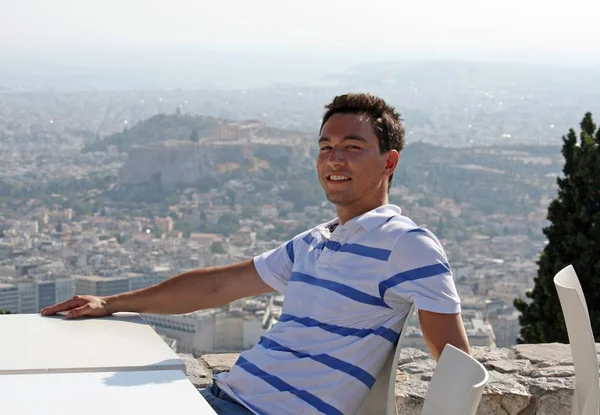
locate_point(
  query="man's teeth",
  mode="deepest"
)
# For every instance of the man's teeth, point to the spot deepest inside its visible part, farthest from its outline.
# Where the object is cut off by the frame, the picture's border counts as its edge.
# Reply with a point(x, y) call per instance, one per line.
point(338, 178)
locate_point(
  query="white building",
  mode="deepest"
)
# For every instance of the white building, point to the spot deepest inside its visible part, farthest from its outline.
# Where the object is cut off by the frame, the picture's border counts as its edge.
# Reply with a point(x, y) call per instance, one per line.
point(54, 291)
point(194, 333)
point(253, 329)
point(100, 286)
point(9, 298)
point(208, 330)
point(138, 281)
point(28, 297)
point(480, 333)
point(506, 328)
point(229, 332)
point(6, 250)
point(244, 237)
point(65, 289)
point(268, 211)
point(35, 295)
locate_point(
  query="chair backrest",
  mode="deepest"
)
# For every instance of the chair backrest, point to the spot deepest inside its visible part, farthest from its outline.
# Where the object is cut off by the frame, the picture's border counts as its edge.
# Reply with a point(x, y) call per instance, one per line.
point(456, 385)
point(381, 399)
point(586, 400)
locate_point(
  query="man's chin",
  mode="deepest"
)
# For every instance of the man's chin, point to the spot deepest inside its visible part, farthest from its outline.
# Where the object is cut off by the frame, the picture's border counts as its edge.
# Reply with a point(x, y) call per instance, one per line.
point(338, 199)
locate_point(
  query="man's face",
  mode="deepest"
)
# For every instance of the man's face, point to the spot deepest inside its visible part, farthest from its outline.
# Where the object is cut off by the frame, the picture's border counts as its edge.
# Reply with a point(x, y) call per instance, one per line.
point(350, 166)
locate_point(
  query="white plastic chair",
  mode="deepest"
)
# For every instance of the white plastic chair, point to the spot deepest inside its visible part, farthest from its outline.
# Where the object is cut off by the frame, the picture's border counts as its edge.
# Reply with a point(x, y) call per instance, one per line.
point(586, 400)
point(456, 385)
point(381, 399)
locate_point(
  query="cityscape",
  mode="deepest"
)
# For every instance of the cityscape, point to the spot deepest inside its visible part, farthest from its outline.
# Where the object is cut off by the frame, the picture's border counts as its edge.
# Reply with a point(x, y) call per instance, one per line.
point(150, 150)
point(102, 193)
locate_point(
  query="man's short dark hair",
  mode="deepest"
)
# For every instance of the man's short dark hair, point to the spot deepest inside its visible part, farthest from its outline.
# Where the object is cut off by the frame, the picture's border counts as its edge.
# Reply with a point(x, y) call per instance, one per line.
point(385, 120)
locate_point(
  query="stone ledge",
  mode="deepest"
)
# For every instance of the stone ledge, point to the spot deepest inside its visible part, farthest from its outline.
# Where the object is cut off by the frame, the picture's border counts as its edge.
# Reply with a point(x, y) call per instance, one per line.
point(528, 379)
point(196, 372)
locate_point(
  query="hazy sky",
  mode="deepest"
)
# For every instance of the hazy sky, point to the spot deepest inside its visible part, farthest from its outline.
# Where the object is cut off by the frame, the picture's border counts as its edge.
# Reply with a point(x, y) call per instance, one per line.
point(130, 44)
point(569, 28)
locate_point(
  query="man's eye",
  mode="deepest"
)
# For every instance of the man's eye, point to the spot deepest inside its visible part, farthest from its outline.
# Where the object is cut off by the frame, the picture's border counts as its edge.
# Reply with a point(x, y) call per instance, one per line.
point(354, 147)
point(326, 148)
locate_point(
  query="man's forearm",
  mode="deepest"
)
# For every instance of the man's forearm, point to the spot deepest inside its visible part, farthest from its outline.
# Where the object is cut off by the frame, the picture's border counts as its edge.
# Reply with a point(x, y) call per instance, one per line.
point(191, 291)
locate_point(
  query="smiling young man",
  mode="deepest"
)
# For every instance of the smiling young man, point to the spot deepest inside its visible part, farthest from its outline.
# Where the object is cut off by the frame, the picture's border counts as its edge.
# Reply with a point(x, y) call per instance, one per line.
point(349, 283)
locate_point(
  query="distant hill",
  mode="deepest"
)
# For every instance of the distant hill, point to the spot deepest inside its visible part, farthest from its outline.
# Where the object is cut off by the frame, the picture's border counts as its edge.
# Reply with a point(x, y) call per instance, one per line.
point(175, 127)
point(182, 149)
point(510, 180)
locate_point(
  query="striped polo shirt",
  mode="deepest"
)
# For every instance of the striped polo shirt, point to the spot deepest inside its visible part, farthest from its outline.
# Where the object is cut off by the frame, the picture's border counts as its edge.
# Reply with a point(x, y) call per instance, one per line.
point(347, 295)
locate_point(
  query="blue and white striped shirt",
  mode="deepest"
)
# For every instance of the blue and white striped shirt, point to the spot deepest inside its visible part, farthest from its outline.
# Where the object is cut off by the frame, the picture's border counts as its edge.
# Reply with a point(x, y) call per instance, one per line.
point(347, 295)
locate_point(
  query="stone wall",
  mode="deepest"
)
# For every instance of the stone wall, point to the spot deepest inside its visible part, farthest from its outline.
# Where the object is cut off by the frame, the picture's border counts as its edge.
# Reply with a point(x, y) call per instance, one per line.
point(527, 379)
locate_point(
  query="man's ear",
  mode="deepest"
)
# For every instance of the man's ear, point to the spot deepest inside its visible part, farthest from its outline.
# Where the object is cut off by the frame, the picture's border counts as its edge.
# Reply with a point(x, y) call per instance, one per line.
point(393, 157)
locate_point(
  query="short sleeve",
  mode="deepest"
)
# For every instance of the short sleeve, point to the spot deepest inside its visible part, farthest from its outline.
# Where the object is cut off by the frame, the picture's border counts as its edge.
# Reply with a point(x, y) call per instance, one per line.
point(275, 266)
point(420, 274)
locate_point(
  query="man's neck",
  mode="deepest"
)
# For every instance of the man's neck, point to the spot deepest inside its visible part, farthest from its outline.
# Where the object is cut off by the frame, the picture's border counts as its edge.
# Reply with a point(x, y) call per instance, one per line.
point(347, 213)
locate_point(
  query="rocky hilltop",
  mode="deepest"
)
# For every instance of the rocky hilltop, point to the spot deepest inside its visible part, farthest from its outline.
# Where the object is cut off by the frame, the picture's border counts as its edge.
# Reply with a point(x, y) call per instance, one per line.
point(178, 162)
point(180, 149)
point(194, 128)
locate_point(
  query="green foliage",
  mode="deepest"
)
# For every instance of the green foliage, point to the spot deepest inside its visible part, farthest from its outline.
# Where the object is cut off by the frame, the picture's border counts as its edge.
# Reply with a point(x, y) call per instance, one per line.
point(5, 312)
point(195, 136)
point(208, 183)
point(217, 248)
point(479, 177)
point(227, 224)
point(573, 238)
point(249, 212)
point(149, 192)
point(278, 232)
point(185, 227)
point(159, 128)
point(303, 192)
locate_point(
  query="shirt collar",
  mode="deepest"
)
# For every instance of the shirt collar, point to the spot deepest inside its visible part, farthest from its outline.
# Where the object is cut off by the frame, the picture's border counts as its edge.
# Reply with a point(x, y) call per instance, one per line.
point(377, 217)
point(372, 219)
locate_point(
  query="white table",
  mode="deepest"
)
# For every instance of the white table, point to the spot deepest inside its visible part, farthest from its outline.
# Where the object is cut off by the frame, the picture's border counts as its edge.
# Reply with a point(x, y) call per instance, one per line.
point(116, 393)
point(30, 343)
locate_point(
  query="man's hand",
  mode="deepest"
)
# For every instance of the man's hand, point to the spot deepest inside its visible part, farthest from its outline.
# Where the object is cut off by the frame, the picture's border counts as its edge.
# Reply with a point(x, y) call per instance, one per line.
point(441, 329)
point(79, 306)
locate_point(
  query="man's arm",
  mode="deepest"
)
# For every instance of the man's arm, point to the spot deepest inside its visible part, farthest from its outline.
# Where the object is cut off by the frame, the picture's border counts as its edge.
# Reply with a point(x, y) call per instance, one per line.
point(441, 329)
point(191, 291)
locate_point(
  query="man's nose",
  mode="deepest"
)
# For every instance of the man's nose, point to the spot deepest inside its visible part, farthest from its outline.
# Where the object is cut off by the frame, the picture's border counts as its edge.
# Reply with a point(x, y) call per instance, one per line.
point(336, 157)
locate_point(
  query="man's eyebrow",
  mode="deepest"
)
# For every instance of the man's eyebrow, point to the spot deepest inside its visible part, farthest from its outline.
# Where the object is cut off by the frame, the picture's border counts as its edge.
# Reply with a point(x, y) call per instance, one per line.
point(353, 137)
point(323, 138)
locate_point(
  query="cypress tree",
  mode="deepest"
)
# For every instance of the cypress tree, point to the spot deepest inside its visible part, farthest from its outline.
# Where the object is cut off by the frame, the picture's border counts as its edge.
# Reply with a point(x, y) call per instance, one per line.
point(195, 136)
point(573, 237)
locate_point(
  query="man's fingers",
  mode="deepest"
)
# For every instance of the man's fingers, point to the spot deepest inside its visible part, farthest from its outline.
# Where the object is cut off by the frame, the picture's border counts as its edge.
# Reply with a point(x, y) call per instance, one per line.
point(78, 312)
point(64, 306)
